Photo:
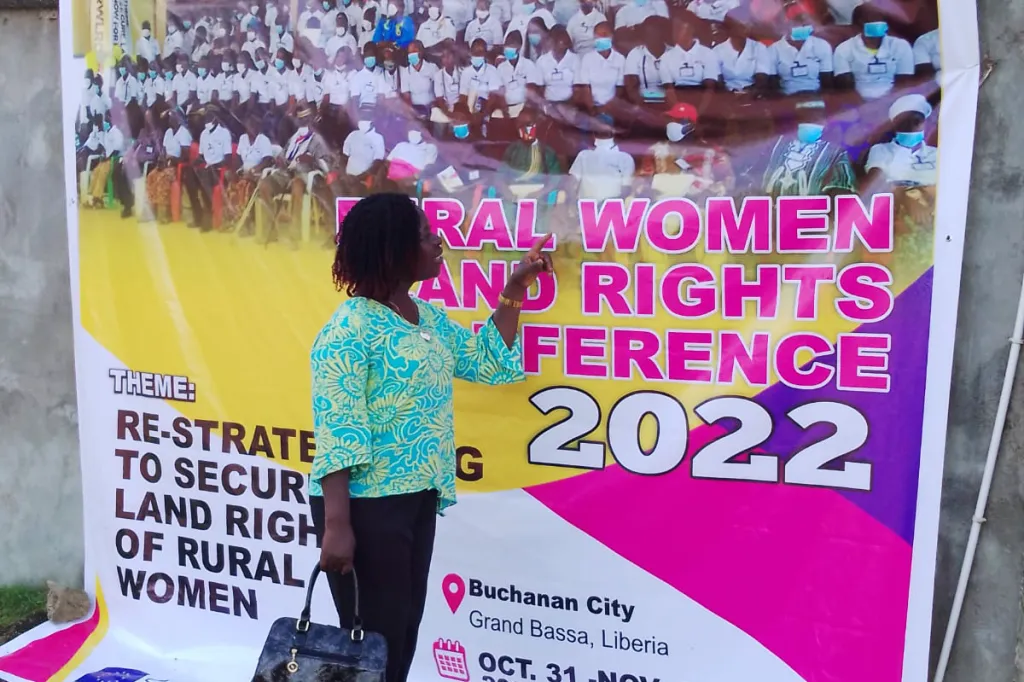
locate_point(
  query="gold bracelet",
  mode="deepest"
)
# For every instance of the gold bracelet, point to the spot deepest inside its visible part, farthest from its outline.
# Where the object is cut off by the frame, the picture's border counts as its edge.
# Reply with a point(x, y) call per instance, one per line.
point(508, 302)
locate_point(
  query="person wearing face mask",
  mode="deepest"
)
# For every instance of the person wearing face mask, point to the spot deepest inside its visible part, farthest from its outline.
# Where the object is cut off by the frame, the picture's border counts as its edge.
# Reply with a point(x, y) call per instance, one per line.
point(253, 41)
point(125, 83)
point(479, 86)
point(520, 79)
point(417, 81)
point(250, 18)
point(530, 14)
point(307, 156)
point(683, 164)
point(270, 14)
point(316, 84)
point(409, 160)
point(604, 172)
point(155, 86)
point(634, 12)
point(601, 78)
point(201, 176)
point(366, 27)
point(334, 118)
point(387, 79)
point(226, 79)
point(395, 27)
point(459, 11)
point(873, 62)
point(200, 45)
point(297, 77)
point(111, 144)
point(447, 86)
point(356, 13)
point(141, 159)
point(538, 40)
point(330, 17)
point(805, 162)
point(175, 39)
point(907, 161)
point(94, 103)
point(146, 46)
point(342, 37)
point(800, 62)
point(206, 83)
point(581, 26)
point(530, 169)
point(182, 93)
point(484, 26)
point(433, 32)
point(188, 34)
point(280, 37)
point(363, 81)
point(363, 154)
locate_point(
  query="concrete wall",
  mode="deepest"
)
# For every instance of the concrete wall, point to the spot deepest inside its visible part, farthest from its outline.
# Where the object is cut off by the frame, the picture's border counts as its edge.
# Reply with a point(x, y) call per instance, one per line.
point(40, 483)
point(37, 398)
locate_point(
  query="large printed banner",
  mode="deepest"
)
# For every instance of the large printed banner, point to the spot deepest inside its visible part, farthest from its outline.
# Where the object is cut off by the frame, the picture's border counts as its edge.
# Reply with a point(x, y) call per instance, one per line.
point(725, 463)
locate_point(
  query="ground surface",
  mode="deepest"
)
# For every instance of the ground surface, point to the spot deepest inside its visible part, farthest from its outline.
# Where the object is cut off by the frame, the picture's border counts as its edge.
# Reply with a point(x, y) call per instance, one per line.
point(21, 609)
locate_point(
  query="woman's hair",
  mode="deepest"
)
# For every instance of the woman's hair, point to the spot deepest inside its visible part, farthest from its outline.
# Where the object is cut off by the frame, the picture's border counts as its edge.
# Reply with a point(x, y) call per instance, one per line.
point(378, 246)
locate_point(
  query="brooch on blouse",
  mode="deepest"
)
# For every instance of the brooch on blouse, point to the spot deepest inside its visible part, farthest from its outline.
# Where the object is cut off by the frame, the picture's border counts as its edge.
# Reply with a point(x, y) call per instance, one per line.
point(426, 335)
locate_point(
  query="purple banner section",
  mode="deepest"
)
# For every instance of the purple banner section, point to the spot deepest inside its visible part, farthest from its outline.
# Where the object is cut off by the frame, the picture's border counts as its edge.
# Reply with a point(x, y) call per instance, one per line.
point(895, 419)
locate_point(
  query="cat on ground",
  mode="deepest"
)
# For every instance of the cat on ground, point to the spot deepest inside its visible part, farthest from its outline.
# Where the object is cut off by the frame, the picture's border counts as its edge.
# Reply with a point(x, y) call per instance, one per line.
point(66, 604)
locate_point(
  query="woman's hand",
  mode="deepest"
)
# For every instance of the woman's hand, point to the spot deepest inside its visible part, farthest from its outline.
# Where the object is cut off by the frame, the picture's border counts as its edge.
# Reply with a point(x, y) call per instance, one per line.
point(534, 262)
point(337, 551)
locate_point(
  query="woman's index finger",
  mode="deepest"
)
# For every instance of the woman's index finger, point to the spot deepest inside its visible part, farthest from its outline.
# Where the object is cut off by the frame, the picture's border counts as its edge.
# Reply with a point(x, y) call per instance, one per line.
point(539, 244)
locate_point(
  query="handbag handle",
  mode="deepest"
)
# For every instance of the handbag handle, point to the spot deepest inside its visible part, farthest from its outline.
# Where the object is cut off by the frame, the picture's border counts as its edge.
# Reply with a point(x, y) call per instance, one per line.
point(302, 625)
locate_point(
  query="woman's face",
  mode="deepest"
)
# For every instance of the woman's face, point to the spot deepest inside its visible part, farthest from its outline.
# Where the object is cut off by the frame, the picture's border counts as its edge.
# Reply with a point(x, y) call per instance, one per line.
point(431, 255)
point(908, 122)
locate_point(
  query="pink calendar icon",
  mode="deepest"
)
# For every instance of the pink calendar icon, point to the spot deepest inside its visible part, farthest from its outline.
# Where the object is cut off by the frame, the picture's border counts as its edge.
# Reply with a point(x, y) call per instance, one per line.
point(450, 657)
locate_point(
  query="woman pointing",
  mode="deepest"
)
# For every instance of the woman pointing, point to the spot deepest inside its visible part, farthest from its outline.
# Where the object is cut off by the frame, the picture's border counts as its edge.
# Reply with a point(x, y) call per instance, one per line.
point(382, 369)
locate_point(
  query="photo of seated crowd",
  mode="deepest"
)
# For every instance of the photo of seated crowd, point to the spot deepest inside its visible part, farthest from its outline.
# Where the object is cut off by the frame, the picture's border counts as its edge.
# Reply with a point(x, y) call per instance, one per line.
point(244, 118)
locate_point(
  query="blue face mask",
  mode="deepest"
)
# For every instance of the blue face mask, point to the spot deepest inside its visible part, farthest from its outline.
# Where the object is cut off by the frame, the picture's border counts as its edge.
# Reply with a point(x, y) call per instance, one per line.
point(528, 8)
point(369, 62)
point(152, 73)
point(318, 73)
point(186, 24)
point(202, 72)
point(511, 52)
point(142, 76)
point(122, 70)
point(327, 5)
point(279, 64)
point(169, 75)
point(280, 30)
point(477, 62)
point(801, 32)
point(106, 125)
point(640, 3)
point(414, 58)
point(876, 29)
point(461, 131)
point(602, 44)
point(534, 39)
point(910, 140)
point(260, 64)
point(809, 133)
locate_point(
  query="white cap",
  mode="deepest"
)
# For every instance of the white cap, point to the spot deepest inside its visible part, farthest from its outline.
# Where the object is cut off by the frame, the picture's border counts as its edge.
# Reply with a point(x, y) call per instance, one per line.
point(910, 103)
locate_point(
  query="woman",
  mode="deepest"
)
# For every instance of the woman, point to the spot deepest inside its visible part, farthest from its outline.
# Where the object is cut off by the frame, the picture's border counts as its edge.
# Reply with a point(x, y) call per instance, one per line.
point(175, 147)
point(382, 412)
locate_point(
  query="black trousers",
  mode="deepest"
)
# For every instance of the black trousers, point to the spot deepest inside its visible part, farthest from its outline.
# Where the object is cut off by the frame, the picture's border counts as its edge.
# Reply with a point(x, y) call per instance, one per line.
point(394, 545)
point(199, 183)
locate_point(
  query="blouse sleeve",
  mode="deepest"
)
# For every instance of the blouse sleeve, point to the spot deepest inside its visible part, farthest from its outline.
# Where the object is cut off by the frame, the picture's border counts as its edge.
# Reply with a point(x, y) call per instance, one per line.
point(483, 358)
point(340, 421)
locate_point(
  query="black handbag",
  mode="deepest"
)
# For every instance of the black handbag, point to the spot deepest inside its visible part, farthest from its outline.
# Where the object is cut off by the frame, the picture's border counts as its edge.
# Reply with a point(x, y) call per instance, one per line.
point(301, 651)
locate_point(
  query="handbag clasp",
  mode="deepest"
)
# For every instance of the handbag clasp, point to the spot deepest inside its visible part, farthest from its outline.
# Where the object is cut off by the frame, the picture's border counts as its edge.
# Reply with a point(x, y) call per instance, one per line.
point(302, 626)
point(293, 665)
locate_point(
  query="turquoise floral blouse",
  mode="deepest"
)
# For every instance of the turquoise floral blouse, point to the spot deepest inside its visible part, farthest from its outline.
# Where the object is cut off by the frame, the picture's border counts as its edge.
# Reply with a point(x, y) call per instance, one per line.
point(382, 396)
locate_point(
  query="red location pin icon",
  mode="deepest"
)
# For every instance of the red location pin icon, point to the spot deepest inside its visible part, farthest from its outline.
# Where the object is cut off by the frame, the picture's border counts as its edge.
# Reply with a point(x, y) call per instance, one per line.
point(454, 589)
